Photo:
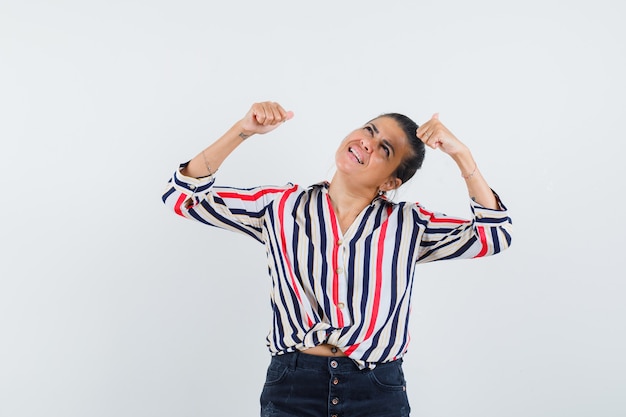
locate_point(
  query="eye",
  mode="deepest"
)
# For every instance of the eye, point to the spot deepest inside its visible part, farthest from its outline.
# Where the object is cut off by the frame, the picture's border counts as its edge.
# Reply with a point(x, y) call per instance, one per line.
point(369, 130)
point(386, 149)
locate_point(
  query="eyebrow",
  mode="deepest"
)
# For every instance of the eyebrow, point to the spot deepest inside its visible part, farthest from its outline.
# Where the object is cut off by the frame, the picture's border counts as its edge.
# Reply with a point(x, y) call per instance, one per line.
point(383, 140)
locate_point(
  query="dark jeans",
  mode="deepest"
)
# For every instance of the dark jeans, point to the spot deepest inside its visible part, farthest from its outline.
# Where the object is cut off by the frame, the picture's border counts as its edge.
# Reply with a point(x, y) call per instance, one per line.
point(301, 385)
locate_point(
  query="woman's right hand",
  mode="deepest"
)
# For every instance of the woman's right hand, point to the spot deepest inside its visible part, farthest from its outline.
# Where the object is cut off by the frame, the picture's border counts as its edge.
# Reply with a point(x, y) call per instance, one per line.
point(264, 117)
point(261, 118)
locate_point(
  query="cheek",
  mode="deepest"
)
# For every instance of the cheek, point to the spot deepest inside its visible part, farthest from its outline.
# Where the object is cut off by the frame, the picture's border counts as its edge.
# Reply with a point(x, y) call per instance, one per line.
point(342, 159)
point(339, 153)
point(396, 164)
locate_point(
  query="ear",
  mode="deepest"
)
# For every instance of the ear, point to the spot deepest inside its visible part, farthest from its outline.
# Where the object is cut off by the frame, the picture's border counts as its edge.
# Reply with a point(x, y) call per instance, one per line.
point(391, 184)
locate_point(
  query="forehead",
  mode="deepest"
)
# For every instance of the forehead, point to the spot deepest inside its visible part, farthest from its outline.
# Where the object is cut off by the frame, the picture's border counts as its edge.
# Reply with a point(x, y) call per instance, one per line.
point(389, 128)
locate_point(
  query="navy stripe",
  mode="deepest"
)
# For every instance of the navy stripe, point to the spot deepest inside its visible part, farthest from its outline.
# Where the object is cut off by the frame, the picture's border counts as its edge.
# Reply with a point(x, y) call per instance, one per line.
point(461, 250)
point(283, 286)
point(168, 193)
point(506, 234)
point(296, 261)
point(323, 229)
point(486, 220)
point(225, 221)
point(495, 240)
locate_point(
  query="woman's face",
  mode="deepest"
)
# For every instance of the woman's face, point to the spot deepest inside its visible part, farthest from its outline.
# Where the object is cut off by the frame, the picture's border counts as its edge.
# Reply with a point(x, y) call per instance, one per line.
point(371, 155)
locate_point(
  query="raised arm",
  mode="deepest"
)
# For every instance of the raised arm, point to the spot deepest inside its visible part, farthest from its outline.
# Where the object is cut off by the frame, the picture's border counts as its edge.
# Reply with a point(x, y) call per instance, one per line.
point(191, 193)
point(435, 135)
point(488, 233)
point(261, 118)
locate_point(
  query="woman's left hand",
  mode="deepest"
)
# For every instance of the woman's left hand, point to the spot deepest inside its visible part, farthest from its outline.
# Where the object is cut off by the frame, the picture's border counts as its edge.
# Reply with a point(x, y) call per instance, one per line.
point(435, 135)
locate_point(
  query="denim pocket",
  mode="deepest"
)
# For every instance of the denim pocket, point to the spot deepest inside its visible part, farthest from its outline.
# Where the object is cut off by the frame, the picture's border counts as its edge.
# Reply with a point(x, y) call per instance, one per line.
point(388, 377)
point(276, 373)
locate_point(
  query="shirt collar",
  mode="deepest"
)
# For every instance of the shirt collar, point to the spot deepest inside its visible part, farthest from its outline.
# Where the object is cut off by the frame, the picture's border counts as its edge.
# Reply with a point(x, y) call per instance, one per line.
point(379, 198)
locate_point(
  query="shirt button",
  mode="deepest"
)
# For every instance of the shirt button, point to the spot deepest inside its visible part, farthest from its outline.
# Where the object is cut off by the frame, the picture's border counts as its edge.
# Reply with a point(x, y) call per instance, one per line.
point(340, 242)
point(335, 401)
point(341, 305)
point(333, 364)
point(192, 187)
point(339, 270)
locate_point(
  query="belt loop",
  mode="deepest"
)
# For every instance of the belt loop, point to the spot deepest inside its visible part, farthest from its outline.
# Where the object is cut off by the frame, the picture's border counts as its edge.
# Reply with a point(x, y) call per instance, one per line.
point(293, 364)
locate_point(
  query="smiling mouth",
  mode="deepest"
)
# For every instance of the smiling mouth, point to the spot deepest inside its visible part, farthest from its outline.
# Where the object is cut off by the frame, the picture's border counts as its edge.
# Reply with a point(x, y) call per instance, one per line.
point(356, 155)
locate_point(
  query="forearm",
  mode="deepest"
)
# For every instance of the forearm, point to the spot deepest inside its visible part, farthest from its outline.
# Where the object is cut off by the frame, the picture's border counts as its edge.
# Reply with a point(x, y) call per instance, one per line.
point(261, 118)
point(434, 134)
point(477, 186)
point(210, 159)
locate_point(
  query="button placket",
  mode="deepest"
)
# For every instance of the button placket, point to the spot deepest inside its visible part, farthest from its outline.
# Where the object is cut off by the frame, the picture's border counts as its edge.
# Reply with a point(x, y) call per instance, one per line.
point(335, 390)
point(342, 276)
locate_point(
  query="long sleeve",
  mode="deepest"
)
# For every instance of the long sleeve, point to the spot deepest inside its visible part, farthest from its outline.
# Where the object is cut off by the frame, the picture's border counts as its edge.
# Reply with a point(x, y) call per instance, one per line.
point(487, 233)
point(237, 209)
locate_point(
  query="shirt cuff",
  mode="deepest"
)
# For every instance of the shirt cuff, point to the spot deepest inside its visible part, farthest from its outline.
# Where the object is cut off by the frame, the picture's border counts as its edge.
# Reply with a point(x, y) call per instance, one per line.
point(489, 215)
point(195, 185)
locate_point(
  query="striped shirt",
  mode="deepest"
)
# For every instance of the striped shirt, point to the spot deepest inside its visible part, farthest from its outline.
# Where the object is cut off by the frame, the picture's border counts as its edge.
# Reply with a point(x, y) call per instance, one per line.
point(351, 289)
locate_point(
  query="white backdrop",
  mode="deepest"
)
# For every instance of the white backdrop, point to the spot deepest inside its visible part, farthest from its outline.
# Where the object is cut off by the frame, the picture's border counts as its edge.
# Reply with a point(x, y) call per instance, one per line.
point(112, 306)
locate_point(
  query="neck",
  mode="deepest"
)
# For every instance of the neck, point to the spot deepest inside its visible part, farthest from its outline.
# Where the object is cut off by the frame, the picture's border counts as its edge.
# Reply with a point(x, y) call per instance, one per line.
point(349, 201)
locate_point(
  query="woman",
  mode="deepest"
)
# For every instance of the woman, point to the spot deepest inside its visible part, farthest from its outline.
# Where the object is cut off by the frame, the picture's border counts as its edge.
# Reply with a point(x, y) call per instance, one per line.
point(342, 257)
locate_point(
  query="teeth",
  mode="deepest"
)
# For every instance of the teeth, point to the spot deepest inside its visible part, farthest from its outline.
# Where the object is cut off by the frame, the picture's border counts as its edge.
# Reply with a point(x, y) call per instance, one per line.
point(356, 155)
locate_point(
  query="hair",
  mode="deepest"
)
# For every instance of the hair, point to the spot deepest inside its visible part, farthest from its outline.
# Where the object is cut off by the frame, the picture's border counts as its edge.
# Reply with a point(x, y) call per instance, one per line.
point(411, 163)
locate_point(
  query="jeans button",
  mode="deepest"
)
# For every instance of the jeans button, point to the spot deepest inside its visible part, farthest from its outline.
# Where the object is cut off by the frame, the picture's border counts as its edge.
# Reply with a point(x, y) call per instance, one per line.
point(333, 364)
point(335, 401)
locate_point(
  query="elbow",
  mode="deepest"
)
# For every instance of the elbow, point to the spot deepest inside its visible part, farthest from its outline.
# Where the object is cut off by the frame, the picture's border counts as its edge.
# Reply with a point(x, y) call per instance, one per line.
point(176, 201)
point(503, 238)
point(492, 240)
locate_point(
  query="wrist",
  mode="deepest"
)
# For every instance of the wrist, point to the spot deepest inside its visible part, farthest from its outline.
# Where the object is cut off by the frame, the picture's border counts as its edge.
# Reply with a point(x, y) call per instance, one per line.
point(241, 131)
point(466, 164)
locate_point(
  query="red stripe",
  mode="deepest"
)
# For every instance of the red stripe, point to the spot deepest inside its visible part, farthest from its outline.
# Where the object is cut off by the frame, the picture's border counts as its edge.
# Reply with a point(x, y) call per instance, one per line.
point(379, 283)
point(179, 203)
point(335, 264)
point(249, 197)
point(436, 219)
point(281, 217)
point(483, 241)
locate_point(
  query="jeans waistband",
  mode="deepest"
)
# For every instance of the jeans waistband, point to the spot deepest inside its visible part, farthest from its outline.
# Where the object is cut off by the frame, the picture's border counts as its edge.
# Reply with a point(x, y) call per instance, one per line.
point(342, 364)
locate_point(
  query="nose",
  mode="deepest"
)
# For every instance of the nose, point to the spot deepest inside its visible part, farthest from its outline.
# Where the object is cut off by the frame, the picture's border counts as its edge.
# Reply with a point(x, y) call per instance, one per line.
point(367, 144)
